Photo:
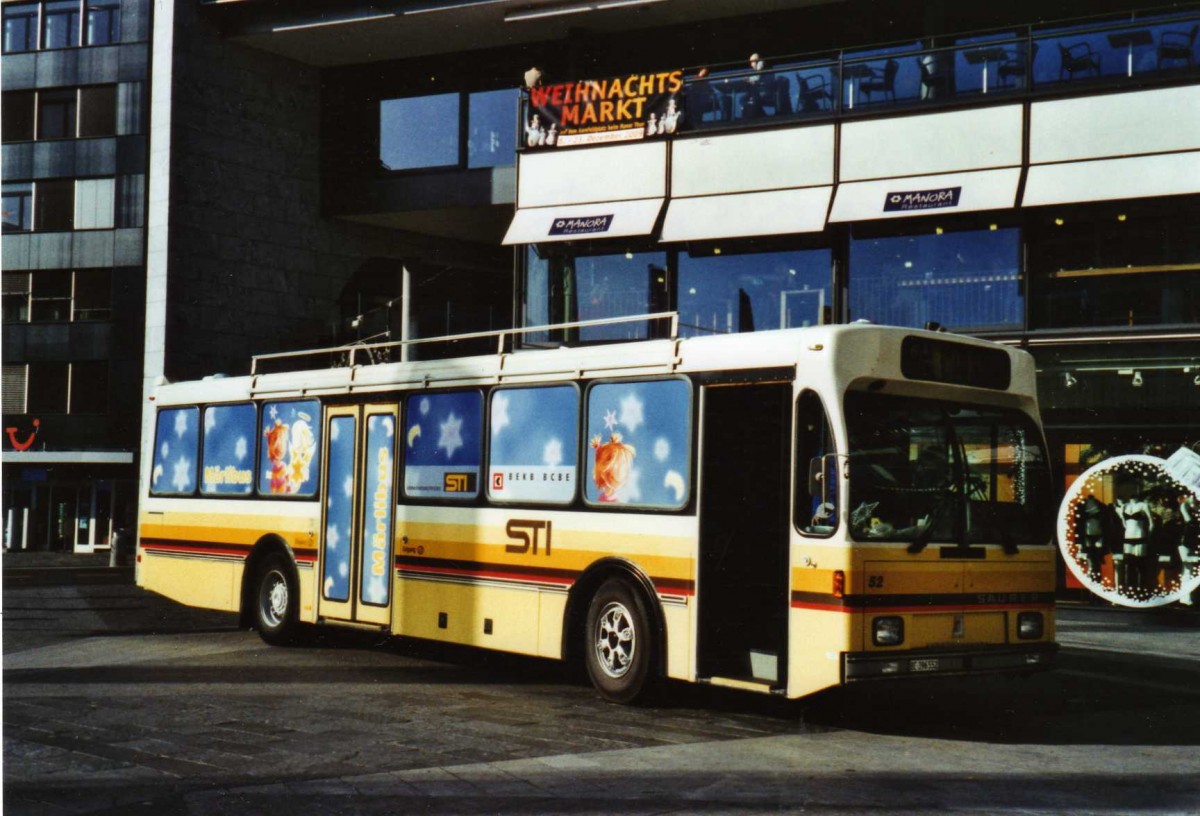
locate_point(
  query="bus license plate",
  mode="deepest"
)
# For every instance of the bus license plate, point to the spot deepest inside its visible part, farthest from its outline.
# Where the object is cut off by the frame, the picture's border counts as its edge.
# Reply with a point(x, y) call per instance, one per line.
point(928, 665)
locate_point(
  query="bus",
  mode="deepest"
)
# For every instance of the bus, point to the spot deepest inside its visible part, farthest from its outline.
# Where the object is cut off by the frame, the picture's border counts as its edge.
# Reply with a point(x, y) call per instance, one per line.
point(777, 511)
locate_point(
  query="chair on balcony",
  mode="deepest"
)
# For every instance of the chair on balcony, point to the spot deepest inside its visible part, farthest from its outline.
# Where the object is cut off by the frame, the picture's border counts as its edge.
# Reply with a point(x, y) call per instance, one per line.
point(1077, 58)
point(935, 78)
point(1015, 67)
point(1178, 46)
point(881, 81)
point(813, 93)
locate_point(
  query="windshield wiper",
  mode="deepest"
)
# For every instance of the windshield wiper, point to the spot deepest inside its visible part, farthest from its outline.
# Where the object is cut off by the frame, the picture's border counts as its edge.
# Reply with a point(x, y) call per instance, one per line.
point(921, 540)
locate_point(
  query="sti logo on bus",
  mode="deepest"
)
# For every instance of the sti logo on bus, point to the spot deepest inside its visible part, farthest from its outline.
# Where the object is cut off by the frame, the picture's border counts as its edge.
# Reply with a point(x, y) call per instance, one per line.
point(458, 483)
point(526, 532)
point(922, 200)
point(581, 226)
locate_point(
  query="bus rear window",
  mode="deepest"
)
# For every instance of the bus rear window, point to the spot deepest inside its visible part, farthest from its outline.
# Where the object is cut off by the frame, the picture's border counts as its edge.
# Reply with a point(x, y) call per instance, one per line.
point(923, 358)
point(174, 469)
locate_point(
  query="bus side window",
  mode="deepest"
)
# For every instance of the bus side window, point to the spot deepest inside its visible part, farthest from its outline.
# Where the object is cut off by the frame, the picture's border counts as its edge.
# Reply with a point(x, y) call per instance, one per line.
point(816, 468)
point(289, 456)
point(533, 444)
point(228, 462)
point(173, 471)
point(443, 444)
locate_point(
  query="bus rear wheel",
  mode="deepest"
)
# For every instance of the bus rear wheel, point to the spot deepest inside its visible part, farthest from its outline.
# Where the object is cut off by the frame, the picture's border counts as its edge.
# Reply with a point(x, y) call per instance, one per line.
point(276, 599)
point(618, 648)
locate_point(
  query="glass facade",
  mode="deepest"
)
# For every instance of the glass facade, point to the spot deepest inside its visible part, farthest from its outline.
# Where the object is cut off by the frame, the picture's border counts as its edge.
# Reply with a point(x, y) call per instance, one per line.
point(491, 123)
point(419, 131)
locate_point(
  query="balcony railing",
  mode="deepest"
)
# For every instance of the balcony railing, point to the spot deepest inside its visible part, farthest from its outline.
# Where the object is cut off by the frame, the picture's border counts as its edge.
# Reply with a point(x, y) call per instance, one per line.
point(977, 68)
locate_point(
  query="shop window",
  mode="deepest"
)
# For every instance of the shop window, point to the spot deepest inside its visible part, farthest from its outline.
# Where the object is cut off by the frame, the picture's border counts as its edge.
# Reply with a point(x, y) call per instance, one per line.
point(443, 451)
point(12, 395)
point(817, 475)
point(722, 292)
point(1133, 264)
point(103, 22)
point(533, 444)
point(639, 444)
point(18, 207)
point(16, 297)
point(492, 139)
point(48, 388)
point(60, 24)
point(18, 116)
point(289, 462)
point(98, 111)
point(54, 205)
point(94, 204)
point(89, 387)
point(563, 288)
point(173, 470)
point(419, 131)
point(93, 295)
point(20, 27)
point(963, 279)
point(56, 114)
point(51, 296)
point(228, 464)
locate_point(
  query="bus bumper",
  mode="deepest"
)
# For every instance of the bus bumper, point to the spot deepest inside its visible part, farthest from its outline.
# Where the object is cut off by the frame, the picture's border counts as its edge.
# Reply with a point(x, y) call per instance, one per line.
point(941, 662)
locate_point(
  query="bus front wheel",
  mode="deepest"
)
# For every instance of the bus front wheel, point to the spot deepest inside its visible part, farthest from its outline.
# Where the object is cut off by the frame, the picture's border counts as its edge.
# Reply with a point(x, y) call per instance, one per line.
point(275, 602)
point(618, 647)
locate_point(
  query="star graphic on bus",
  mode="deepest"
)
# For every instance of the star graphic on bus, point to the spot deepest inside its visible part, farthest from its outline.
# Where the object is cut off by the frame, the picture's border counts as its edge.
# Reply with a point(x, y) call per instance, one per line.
point(451, 438)
point(610, 419)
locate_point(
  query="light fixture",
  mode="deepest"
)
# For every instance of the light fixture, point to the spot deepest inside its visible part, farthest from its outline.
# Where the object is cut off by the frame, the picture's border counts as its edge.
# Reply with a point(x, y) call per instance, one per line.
point(539, 12)
point(1196, 380)
point(1069, 380)
point(461, 4)
point(1121, 217)
point(938, 230)
point(908, 264)
point(993, 227)
point(1137, 380)
point(629, 256)
point(716, 250)
point(1058, 222)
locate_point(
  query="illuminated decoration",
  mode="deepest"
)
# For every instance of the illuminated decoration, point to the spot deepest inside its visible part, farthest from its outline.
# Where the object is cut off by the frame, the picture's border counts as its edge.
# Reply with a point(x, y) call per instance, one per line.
point(1129, 528)
point(596, 111)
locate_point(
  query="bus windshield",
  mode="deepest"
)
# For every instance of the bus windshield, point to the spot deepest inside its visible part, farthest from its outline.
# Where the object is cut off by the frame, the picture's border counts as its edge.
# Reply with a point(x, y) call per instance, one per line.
point(926, 471)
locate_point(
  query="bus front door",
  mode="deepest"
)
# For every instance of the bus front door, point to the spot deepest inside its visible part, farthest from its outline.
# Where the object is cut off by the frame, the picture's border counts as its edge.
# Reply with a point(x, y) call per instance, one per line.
point(742, 592)
point(358, 513)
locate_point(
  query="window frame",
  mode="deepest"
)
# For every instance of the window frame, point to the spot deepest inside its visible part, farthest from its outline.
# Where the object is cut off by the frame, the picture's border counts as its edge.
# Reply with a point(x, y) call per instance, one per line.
point(318, 424)
point(33, 23)
point(799, 519)
point(408, 409)
point(255, 445)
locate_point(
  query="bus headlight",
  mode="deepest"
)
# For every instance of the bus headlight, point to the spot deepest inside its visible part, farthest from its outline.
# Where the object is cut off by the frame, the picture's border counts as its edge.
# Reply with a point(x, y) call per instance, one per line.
point(1030, 625)
point(887, 631)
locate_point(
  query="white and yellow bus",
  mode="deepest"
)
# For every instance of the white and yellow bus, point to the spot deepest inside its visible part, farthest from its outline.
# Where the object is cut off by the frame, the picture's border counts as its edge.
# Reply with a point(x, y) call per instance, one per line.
point(780, 511)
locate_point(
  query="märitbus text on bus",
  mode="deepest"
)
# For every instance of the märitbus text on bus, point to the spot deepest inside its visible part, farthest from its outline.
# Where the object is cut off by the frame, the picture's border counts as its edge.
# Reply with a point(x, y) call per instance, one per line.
point(779, 511)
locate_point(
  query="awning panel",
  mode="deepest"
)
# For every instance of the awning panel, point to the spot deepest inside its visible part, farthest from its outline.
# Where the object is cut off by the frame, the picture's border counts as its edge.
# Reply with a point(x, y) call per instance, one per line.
point(942, 194)
point(1109, 179)
point(776, 212)
point(581, 222)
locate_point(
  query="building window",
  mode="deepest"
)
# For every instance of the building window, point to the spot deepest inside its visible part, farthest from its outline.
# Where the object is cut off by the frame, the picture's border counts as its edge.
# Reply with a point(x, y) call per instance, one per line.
point(60, 24)
point(1109, 265)
point(89, 387)
point(13, 393)
point(492, 135)
point(16, 297)
point(20, 27)
point(18, 116)
point(18, 207)
point(48, 388)
point(93, 295)
point(54, 205)
point(419, 131)
point(724, 292)
point(56, 114)
point(103, 22)
point(50, 300)
point(94, 204)
point(97, 111)
point(964, 279)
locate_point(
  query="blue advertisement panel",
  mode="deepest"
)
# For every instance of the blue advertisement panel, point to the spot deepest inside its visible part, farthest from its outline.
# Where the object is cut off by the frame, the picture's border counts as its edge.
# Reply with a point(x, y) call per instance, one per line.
point(175, 443)
point(639, 444)
point(443, 441)
point(534, 445)
point(378, 509)
point(289, 462)
point(339, 513)
point(228, 468)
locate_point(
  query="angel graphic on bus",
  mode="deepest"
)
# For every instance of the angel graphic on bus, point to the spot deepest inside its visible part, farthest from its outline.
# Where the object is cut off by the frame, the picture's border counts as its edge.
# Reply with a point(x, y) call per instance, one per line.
point(614, 460)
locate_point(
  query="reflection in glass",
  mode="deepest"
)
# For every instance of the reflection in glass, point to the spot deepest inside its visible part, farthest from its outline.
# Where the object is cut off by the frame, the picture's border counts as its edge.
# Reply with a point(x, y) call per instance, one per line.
point(491, 128)
point(20, 27)
point(60, 24)
point(968, 279)
point(419, 131)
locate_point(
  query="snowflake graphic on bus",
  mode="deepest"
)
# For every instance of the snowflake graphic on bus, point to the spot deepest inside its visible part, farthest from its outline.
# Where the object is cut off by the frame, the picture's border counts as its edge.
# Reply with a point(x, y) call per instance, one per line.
point(444, 447)
point(287, 466)
point(638, 443)
point(534, 447)
point(174, 468)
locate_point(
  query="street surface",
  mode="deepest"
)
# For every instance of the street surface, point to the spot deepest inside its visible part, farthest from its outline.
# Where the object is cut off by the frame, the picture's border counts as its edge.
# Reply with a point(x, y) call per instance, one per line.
point(117, 701)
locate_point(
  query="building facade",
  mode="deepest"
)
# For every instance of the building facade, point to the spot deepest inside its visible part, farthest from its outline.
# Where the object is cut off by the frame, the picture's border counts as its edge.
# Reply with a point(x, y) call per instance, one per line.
point(75, 118)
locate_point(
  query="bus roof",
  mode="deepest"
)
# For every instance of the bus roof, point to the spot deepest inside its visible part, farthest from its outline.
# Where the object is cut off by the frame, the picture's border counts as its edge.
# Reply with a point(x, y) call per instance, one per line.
point(832, 358)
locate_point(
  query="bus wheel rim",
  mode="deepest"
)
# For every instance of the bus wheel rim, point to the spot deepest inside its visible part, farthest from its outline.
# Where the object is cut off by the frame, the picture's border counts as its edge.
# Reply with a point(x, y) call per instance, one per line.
point(274, 599)
point(616, 640)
